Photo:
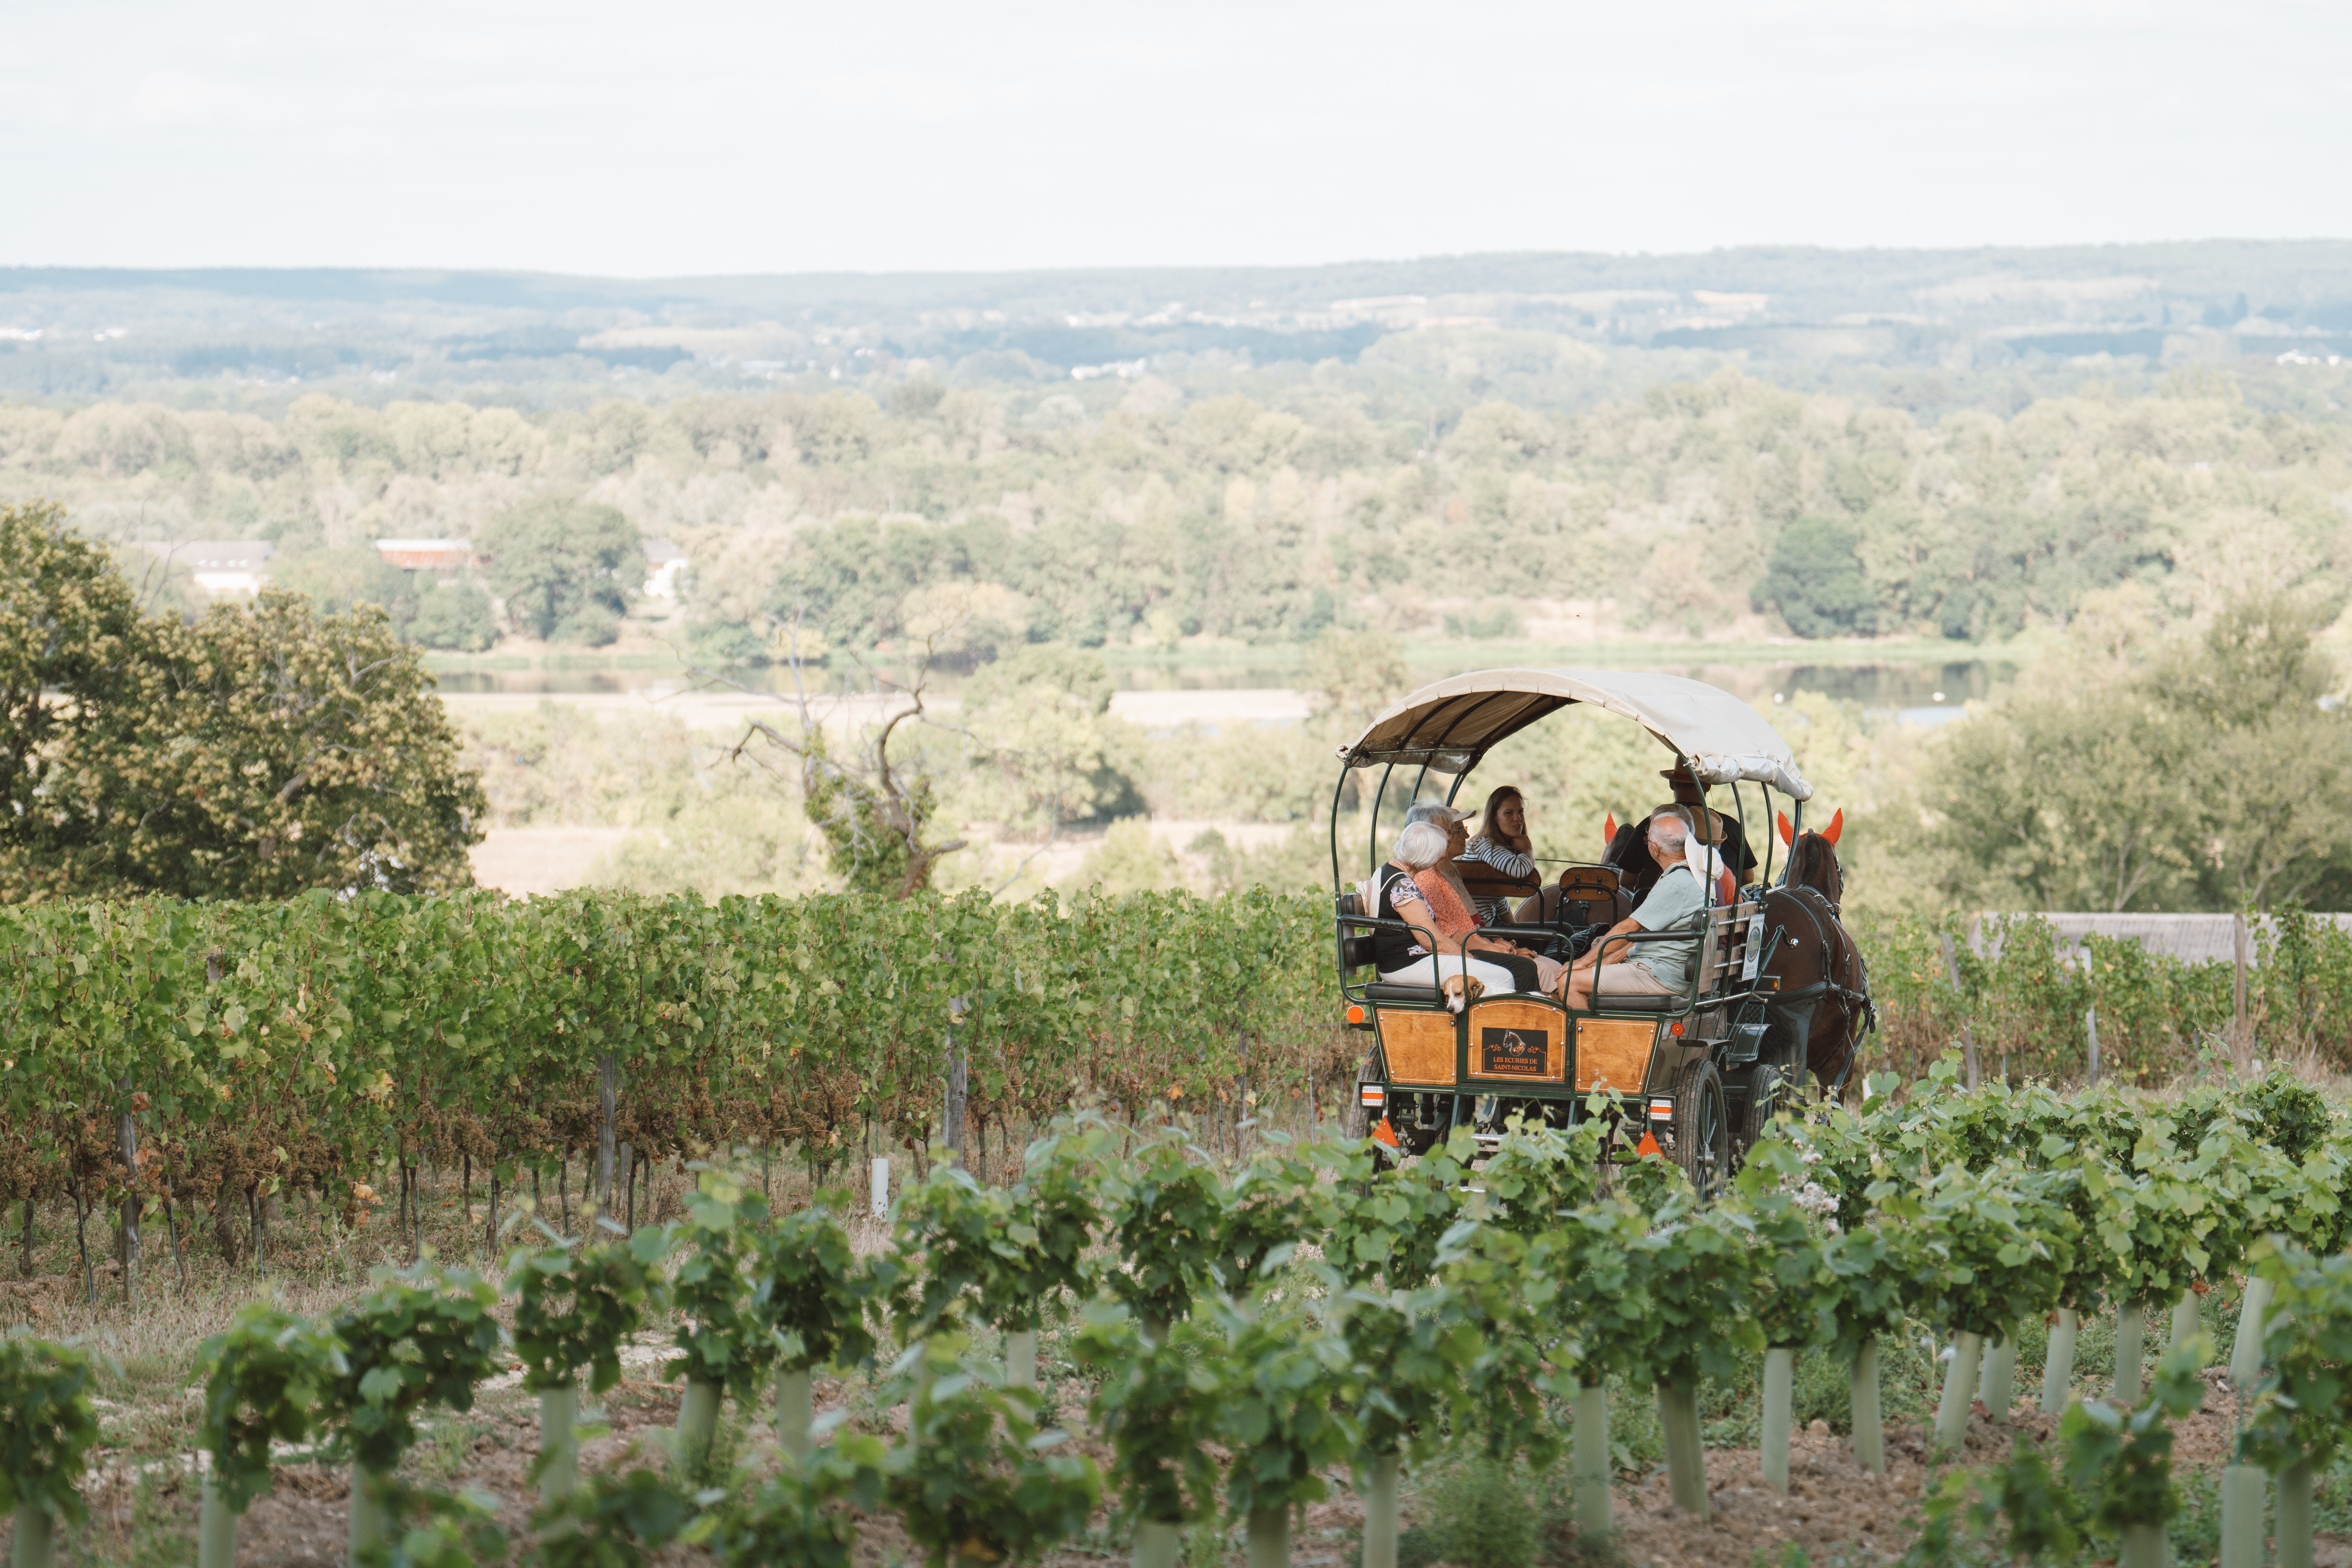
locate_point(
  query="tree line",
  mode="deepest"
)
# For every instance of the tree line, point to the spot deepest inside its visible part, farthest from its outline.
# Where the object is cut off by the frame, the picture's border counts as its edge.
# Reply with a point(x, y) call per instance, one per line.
point(1698, 505)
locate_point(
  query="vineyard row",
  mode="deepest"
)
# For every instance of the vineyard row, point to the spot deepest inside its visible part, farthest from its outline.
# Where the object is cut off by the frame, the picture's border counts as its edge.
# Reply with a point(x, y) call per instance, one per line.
point(1230, 1370)
point(197, 1059)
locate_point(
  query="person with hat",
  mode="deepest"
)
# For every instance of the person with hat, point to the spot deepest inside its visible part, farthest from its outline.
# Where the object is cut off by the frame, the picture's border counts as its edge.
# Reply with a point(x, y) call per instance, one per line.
point(1713, 827)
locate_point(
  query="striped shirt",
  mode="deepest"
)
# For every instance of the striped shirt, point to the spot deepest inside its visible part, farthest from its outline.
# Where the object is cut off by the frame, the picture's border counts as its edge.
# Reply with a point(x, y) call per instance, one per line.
point(1509, 862)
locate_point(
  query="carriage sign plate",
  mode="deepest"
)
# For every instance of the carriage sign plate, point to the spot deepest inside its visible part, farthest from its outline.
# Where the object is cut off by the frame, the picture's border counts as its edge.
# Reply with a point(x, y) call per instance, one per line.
point(1512, 1052)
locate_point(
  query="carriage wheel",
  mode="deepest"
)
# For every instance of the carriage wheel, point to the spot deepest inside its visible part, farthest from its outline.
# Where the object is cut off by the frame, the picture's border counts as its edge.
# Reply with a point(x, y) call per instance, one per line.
point(1768, 1096)
point(1702, 1128)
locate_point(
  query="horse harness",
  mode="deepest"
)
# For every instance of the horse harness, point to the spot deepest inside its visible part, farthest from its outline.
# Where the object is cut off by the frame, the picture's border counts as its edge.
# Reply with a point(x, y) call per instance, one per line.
point(1797, 1005)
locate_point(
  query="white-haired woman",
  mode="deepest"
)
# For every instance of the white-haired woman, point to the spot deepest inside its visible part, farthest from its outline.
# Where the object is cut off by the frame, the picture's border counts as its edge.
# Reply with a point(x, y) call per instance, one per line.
point(1421, 956)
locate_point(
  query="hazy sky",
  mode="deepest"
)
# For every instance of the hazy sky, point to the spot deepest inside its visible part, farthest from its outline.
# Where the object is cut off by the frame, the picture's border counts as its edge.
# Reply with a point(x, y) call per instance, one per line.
point(647, 139)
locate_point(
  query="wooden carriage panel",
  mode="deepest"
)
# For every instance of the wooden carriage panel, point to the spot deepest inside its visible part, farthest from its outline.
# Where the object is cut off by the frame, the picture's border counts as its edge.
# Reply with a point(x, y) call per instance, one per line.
point(1614, 1052)
point(1419, 1045)
point(1519, 1040)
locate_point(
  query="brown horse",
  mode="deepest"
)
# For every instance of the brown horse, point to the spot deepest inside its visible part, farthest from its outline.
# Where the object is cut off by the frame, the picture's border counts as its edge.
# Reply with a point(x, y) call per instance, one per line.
point(1822, 1006)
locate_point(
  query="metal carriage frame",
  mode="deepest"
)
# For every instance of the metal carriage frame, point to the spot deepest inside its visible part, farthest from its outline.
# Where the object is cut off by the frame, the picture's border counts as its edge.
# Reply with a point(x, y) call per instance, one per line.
point(1694, 1074)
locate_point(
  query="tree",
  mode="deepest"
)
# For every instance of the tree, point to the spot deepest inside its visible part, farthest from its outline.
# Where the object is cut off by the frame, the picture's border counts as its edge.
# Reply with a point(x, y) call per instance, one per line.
point(70, 635)
point(873, 810)
point(2274, 776)
point(337, 580)
point(1815, 580)
point(563, 568)
point(2156, 772)
point(455, 616)
point(1047, 746)
point(252, 756)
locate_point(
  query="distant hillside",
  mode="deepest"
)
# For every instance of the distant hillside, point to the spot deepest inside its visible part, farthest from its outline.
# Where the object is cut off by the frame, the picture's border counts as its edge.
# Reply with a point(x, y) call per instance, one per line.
point(1925, 330)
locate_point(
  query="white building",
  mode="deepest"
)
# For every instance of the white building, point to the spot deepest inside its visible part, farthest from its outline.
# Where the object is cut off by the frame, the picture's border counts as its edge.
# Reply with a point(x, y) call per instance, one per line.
point(222, 566)
point(663, 563)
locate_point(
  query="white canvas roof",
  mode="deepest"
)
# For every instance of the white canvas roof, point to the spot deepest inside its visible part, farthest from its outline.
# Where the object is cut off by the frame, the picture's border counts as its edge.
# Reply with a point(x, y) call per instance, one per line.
point(1448, 726)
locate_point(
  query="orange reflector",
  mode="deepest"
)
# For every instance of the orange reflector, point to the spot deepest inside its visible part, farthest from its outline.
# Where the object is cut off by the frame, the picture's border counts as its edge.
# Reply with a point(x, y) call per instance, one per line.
point(1677, 1031)
point(1648, 1146)
point(1354, 1015)
point(1384, 1133)
point(1375, 1095)
point(1662, 1110)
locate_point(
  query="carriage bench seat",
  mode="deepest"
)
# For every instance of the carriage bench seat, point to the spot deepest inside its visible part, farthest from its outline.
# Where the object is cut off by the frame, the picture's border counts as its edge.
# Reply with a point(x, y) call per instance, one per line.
point(1637, 1001)
point(1380, 991)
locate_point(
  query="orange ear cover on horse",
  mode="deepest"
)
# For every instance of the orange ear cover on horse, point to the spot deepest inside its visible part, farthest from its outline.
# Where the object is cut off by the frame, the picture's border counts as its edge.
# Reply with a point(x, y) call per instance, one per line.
point(1609, 830)
point(1837, 825)
point(1781, 817)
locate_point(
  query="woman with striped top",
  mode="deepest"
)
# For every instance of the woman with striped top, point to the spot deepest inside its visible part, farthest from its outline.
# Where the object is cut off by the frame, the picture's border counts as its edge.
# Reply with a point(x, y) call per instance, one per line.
point(1502, 844)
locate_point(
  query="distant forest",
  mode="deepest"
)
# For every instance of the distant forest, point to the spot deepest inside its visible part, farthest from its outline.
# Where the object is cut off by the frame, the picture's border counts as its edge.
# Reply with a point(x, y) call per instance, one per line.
point(1727, 505)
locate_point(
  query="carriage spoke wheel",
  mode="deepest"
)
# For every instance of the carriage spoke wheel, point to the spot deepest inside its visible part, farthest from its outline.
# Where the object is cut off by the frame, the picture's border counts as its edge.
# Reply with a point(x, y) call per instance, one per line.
point(1702, 1128)
point(1770, 1094)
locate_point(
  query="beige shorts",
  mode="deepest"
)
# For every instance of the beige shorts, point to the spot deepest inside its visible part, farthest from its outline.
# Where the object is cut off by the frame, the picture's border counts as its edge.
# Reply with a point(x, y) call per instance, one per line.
point(1628, 979)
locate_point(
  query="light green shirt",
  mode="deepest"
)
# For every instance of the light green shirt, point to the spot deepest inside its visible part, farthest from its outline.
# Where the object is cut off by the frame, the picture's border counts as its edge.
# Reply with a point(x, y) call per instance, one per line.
point(1671, 901)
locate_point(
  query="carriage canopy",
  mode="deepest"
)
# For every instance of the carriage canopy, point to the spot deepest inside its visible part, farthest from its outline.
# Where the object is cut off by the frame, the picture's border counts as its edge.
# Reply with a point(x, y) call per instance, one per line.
point(1448, 726)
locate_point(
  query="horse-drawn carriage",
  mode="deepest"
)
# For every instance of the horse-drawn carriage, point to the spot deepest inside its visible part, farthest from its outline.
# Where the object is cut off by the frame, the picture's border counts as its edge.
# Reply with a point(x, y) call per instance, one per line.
point(1777, 993)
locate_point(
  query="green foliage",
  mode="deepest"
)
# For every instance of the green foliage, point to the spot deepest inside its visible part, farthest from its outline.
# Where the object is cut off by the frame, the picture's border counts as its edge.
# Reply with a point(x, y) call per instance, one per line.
point(977, 1478)
point(2304, 1405)
point(577, 1307)
point(70, 637)
point(801, 1517)
point(2206, 771)
point(2116, 1471)
point(1481, 1349)
point(1392, 1218)
point(1537, 1173)
point(1056, 1211)
point(1803, 1307)
point(1815, 581)
point(254, 753)
point(1157, 1403)
point(875, 821)
point(718, 1335)
point(1985, 1252)
point(1480, 1511)
point(1700, 1274)
point(47, 1425)
point(432, 1529)
point(2124, 1458)
point(453, 617)
point(423, 1336)
point(614, 1521)
point(1283, 1411)
point(266, 1380)
point(563, 567)
point(1269, 1204)
point(2288, 1114)
point(809, 1291)
point(1166, 1219)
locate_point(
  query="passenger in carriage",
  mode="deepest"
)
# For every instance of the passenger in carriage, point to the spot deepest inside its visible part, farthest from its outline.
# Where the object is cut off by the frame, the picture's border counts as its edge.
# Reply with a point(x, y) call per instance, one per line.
point(1718, 829)
point(1457, 839)
point(1410, 889)
point(1502, 844)
point(1649, 968)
